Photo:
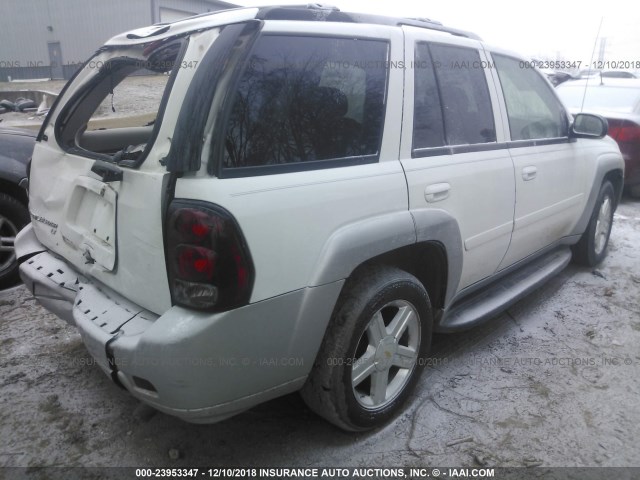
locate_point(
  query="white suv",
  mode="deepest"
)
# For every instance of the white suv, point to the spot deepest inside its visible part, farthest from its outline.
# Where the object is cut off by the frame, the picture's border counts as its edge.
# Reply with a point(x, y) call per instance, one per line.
point(316, 193)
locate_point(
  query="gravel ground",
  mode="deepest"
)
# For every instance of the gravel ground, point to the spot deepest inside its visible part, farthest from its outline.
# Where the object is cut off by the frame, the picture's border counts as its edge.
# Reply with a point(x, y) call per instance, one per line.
point(555, 381)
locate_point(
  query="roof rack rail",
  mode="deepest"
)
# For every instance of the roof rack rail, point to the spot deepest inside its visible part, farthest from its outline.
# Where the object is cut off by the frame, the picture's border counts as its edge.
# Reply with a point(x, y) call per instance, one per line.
point(330, 13)
point(433, 25)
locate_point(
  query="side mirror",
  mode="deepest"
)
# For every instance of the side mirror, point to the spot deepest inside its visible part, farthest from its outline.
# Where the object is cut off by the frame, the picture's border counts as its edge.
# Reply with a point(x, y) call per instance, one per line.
point(587, 125)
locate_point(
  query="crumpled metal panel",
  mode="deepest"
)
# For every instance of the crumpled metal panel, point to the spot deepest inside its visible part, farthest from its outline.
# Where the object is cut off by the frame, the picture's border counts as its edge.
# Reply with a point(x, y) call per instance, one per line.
point(105, 309)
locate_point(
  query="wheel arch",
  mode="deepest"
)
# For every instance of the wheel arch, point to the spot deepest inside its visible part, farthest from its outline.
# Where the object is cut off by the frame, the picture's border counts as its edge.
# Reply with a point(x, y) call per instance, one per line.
point(425, 243)
point(427, 261)
point(609, 168)
point(616, 177)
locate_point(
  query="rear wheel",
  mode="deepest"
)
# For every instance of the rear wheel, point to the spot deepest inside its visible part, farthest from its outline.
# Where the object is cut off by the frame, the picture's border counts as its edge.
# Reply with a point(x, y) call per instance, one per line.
point(591, 249)
point(13, 216)
point(370, 358)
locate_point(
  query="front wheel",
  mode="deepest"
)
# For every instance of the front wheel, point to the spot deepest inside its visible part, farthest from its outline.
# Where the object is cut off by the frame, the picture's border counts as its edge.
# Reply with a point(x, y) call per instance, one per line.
point(591, 249)
point(370, 359)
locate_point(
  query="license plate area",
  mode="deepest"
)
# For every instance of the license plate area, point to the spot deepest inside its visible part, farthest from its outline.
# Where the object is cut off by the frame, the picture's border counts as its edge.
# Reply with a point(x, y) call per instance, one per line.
point(90, 221)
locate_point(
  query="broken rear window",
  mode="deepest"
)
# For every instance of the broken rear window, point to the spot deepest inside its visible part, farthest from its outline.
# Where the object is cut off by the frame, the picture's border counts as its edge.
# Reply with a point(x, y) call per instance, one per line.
point(115, 117)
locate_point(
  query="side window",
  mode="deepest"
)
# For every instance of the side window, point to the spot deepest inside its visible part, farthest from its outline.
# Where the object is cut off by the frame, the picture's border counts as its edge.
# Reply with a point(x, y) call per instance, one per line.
point(305, 99)
point(428, 126)
point(457, 74)
point(533, 110)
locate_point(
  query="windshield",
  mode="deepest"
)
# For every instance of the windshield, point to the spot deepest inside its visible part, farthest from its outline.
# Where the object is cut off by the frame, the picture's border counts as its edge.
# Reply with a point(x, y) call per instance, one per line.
point(600, 97)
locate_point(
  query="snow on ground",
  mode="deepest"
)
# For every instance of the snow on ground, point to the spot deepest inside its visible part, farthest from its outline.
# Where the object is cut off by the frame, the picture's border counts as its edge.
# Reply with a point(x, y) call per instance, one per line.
point(554, 381)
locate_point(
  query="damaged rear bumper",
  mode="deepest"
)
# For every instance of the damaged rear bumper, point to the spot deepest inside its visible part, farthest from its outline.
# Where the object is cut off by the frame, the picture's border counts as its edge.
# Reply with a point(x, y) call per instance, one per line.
point(198, 366)
point(53, 284)
point(97, 312)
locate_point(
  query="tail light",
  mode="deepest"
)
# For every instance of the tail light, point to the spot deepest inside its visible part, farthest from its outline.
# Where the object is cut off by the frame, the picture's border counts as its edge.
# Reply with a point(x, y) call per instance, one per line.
point(208, 259)
point(624, 131)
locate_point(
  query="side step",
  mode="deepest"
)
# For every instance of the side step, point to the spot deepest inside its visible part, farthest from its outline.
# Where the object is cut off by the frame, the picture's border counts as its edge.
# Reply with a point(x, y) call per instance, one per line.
point(501, 294)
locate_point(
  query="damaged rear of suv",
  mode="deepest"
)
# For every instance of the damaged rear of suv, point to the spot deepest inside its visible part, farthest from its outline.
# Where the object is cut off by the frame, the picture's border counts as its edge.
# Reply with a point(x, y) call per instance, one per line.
point(310, 196)
point(109, 249)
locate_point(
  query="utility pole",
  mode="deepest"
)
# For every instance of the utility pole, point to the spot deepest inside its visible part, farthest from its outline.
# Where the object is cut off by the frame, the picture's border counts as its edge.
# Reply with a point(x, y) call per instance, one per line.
point(603, 48)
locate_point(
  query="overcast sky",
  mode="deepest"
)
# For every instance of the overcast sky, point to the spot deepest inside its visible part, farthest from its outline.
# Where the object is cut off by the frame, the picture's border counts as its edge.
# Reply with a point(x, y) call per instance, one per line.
point(546, 28)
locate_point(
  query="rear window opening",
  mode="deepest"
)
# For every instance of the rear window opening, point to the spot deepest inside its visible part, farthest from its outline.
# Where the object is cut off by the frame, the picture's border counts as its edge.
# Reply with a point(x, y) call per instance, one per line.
point(116, 116)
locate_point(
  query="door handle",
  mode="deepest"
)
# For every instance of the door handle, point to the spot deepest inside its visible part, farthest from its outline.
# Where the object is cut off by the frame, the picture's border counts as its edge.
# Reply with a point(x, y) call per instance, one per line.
point(529, 173)
point(437, 192)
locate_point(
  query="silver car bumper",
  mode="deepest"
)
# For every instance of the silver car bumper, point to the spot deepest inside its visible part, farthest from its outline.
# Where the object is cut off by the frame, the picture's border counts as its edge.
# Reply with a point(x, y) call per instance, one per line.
point(198, 366)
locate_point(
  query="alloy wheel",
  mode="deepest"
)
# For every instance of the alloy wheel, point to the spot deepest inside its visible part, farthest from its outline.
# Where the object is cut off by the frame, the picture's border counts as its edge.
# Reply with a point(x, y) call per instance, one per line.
point(386, 354)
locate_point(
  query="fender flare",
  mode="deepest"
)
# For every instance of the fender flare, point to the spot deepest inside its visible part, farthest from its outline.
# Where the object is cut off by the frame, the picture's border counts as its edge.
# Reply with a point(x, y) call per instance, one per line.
point(354, 244)
point(607, 163)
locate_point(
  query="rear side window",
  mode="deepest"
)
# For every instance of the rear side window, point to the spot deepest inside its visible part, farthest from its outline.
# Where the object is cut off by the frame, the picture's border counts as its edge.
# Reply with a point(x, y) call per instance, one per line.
point(428, 125)
point(303, 101)
point(452, 102)
point(533, 110)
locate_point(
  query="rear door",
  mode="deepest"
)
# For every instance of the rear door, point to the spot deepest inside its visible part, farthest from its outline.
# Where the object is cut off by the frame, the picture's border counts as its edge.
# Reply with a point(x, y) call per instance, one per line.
point(453, 149)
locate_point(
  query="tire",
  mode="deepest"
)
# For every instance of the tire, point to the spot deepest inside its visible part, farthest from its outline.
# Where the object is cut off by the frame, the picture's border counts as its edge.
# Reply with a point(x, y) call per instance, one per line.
point(10, 106)
point(592, 246)
point(13, 217)
point(361, 337)
point(23, 103)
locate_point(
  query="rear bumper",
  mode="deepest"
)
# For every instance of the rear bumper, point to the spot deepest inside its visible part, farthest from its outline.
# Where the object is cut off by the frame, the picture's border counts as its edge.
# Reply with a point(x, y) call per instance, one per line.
point(55, 288)
point(198, 366)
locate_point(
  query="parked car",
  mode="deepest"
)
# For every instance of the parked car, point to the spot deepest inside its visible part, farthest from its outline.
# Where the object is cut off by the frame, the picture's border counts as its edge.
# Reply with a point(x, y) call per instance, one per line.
point(556, 78)
point(618, 100)
point(587, 73)
point(617, 74)
point(561, 77)
point(16, 147)
point(319, 192)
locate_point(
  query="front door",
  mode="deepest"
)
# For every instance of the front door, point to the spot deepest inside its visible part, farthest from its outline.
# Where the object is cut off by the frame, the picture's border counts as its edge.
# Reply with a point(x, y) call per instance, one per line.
point(549, 181)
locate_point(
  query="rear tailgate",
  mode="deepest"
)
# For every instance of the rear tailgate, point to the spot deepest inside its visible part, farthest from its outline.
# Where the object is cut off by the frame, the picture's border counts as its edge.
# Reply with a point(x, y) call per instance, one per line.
point(109, 231)
point(96, 201)
point(108, 222)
